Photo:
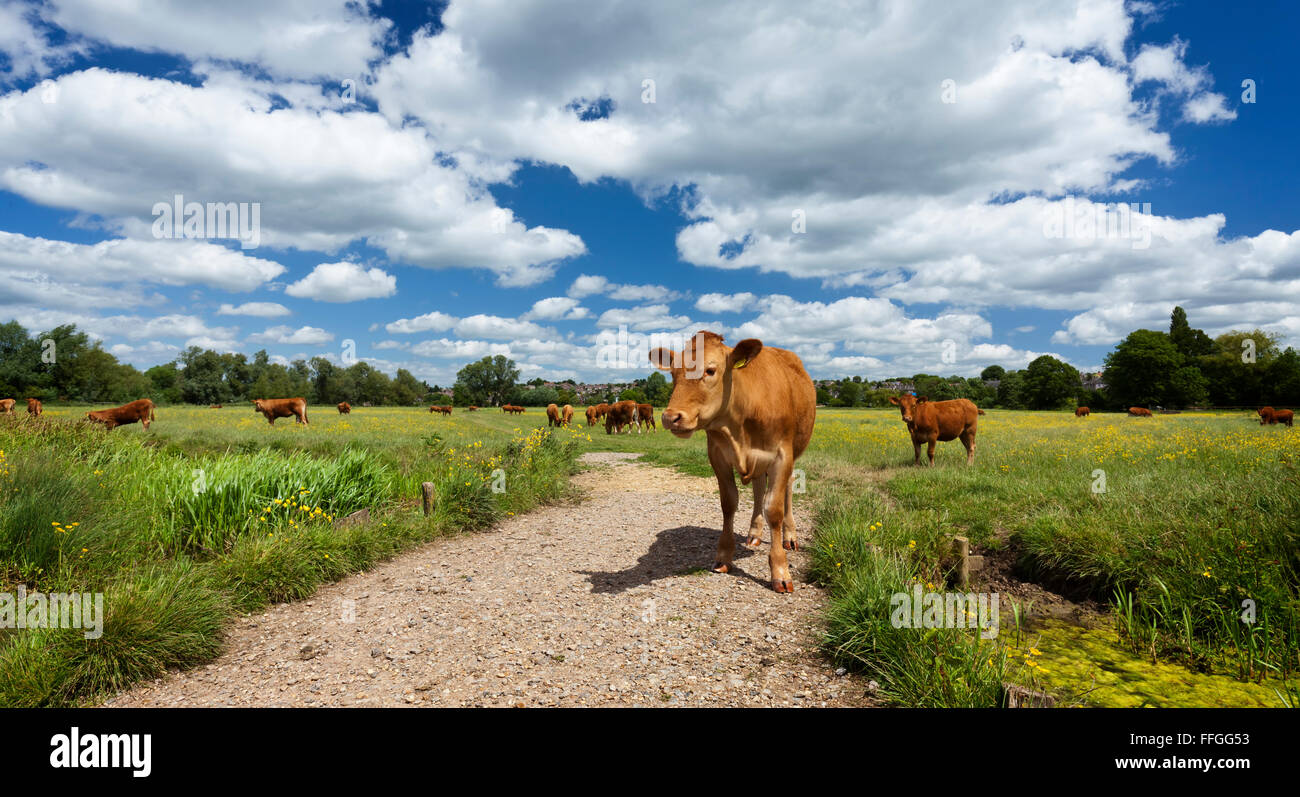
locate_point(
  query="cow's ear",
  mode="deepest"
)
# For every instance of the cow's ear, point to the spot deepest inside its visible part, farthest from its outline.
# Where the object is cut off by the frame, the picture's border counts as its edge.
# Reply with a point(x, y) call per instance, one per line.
point(745, 351)
point(893, 400)
point(922, 398)
point(662, 358)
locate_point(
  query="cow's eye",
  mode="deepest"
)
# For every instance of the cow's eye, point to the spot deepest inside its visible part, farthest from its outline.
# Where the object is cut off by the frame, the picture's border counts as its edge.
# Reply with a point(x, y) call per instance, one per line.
point(710, 371)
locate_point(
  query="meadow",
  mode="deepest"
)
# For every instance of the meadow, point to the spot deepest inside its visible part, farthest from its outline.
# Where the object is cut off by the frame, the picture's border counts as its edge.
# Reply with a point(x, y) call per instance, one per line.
point(1171, 525)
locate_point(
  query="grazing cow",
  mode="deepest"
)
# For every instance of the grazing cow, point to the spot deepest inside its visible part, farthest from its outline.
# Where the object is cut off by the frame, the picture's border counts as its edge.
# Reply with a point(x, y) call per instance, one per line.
point(34, 407)
point(345, 408)
point(1081, 412)
point(591, 416)
point(981, 412)
point(472, 408)
point(214, 406)
point(1139, 412)
point(516, 410)
point(602, 409)
point(139, 410)
point(566, 415)
point(282, 408)
point(938, 421)
point(552, 415)
point(1268, 415)
point(7, 407)
point(622, 413)
point(647, 413)
point(757, 405)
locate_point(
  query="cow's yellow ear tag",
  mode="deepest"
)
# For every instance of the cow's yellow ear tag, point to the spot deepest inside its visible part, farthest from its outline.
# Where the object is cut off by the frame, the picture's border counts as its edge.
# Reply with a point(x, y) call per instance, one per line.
point(741, 363)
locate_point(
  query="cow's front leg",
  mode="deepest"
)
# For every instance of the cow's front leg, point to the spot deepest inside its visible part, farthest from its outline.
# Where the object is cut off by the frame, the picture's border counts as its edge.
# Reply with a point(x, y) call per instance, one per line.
point(929, 450)
point(916, 446)
point(774, 508)
point(730, 500)
point(756, 520)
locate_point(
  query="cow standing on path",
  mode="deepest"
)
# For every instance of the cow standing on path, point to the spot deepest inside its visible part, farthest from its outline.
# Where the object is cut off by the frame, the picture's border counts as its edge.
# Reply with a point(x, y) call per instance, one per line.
point(282, 408)
point(929, 422)
point(757, 406)
point(140, 410)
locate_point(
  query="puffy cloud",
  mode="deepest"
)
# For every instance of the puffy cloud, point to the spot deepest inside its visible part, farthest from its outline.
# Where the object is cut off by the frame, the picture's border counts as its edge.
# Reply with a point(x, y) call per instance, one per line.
point(343, 282)
point(257, 309)
point(429, 322)
point(288, 335)
point(556, 308)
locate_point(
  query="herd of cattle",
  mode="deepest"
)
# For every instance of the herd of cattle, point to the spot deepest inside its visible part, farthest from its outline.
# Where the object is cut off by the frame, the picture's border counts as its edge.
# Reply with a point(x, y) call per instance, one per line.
point(757, 407)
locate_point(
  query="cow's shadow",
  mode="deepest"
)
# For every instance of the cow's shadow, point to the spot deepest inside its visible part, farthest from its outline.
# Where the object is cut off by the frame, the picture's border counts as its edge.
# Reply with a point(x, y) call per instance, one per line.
point(674, 552)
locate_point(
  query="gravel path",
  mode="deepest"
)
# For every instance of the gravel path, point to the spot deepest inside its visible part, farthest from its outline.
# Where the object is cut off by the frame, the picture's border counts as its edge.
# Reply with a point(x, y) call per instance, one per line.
point(602, 603)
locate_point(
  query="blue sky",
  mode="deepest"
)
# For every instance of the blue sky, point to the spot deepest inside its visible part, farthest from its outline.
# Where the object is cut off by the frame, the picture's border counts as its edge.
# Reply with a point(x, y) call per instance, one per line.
point(499, 183)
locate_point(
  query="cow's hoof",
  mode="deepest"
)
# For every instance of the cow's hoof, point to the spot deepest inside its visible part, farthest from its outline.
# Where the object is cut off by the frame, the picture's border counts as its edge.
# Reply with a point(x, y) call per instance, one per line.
point(720, 567)
point(790, 545)
point(754, 542)
point(783, 586)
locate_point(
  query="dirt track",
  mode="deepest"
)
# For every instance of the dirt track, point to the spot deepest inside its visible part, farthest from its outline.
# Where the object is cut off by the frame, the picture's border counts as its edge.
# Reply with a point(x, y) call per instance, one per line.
point(599, 603)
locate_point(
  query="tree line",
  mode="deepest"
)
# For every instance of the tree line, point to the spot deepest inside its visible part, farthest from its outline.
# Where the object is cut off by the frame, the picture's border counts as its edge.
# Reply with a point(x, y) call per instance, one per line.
point(64, 364)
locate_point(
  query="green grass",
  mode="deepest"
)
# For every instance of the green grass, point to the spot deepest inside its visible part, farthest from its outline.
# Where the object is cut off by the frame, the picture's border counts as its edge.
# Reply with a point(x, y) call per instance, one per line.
point(209, 514)
point(1199, 514)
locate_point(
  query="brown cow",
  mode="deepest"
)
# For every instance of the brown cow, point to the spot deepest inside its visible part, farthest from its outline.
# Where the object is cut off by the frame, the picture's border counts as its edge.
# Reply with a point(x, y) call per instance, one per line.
point(622, 413)
point(1268, 415)
point(566, 415)
point(1081, 412)
point(757, 405)
point(282, 408)
point(34, 407)
point(139, 410)
point(7, 407)
point(345, 408)
point(938, 421)
point(1139, 412)
point(552, 415)
point(214, 406)
point(515, 409)
point(647, 413)
point(591, 416)
point(472, 408)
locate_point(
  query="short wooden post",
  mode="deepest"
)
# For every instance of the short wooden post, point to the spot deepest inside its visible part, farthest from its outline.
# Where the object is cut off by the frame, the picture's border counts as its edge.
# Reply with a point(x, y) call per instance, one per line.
point(427, 489)
point(961, 549)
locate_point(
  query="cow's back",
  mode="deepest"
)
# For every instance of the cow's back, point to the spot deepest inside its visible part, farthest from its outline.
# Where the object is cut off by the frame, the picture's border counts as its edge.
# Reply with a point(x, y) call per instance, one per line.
point(773, 393)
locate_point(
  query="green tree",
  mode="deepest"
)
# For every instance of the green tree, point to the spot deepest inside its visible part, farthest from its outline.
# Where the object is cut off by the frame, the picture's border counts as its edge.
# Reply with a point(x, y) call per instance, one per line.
point(489, 381)
point(1050, 384)
point(1140, 371)
point(993, 372)
point(1191, 343)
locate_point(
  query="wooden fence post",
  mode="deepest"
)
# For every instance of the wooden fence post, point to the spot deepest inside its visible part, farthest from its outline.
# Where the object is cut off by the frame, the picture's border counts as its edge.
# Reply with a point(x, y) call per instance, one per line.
point(427, 489)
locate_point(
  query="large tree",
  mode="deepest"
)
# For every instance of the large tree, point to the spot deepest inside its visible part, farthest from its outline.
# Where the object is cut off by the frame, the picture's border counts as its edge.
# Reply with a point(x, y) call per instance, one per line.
point(1140, 371)
point(1050, 384)
point(490, 381)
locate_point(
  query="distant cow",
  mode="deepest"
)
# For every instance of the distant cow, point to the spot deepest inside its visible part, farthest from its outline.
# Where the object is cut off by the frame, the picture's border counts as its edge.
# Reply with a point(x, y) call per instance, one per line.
point(140, 410)
point(1139, 412)
point(622, 413)
point(1268, 415)
point(282, 408)
point(929, 422)
point(345, 408)
point(757, 405)
point(214, 406)
point(647, 413)
point(7, 407)
point(515, 409)
point(472, 408)
point(591, 416)
point(1081, 412)
point(34, 408)
point(552, 415)
point(566, 415)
